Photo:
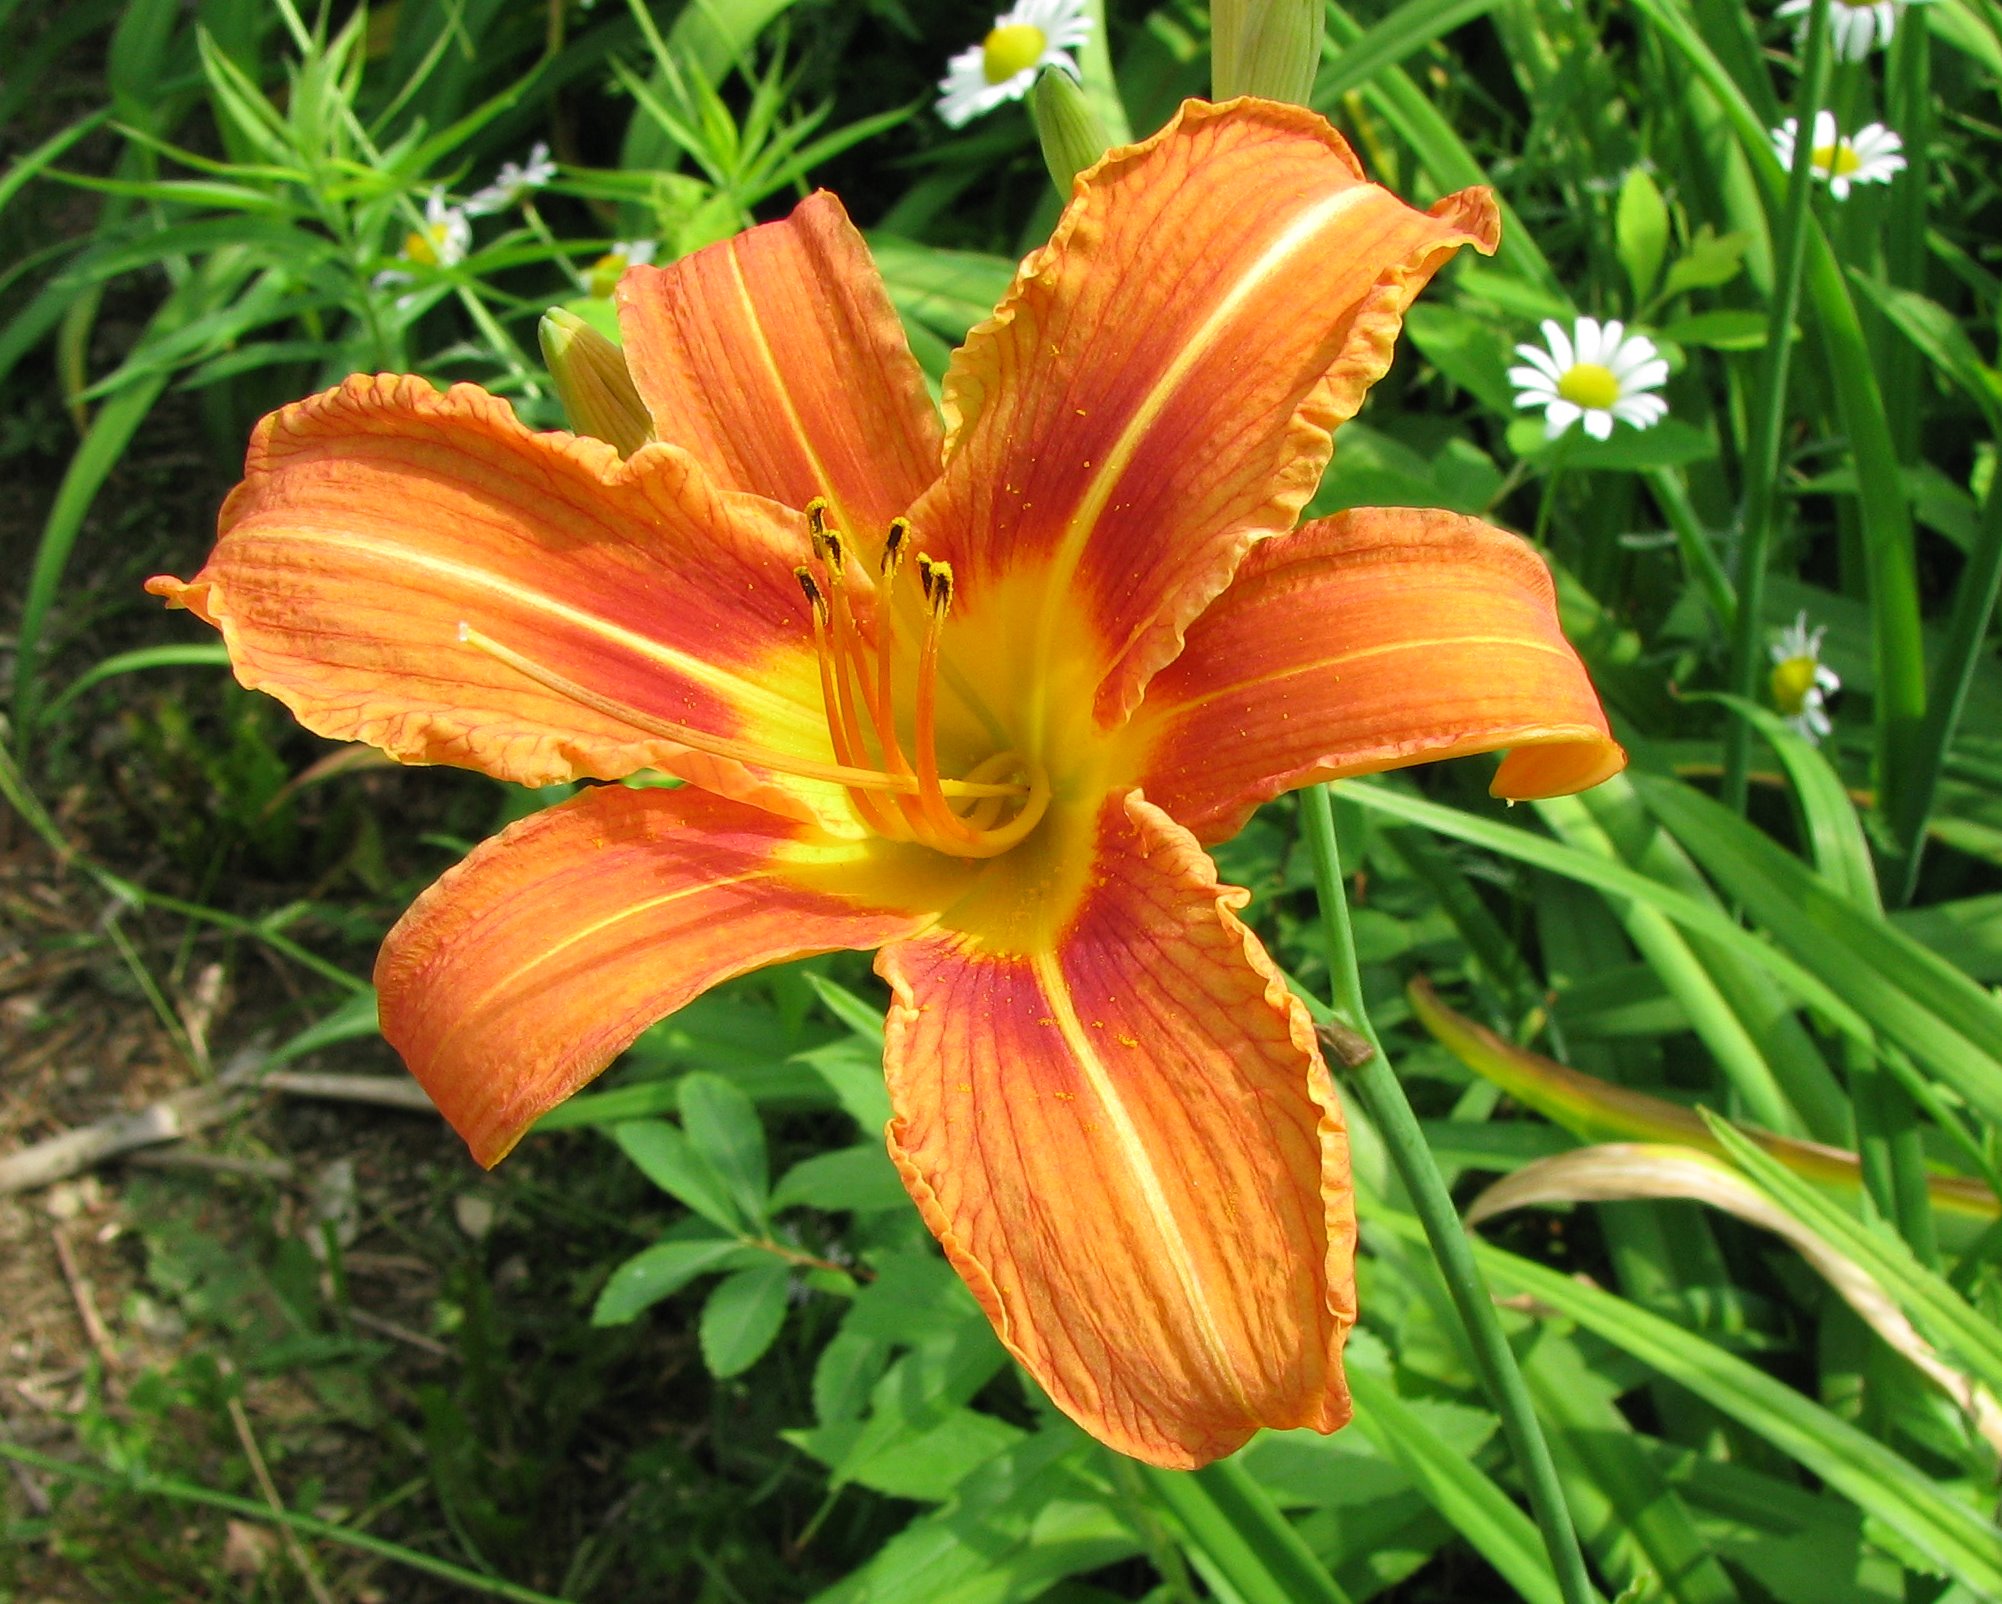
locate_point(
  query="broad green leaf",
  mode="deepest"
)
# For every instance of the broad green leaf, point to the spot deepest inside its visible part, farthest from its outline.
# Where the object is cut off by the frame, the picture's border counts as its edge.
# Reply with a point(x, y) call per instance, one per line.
point(667, 1158)
point(1470, 351)
point(723, 1127)
point(742, 1317)
point(1670, 443)
point(926, 1464)
point(1711, 262)
point(859, 1178)
point(665, 1268)
point(1023, 1520)
point(1720, 331)
point(1640, 231)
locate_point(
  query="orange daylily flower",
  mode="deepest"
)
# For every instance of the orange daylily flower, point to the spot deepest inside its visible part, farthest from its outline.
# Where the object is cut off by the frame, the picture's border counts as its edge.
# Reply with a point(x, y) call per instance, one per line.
point(977, 695)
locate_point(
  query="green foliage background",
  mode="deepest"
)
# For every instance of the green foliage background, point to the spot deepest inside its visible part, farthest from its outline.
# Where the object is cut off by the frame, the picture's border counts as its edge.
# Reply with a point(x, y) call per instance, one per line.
point(717, 1244)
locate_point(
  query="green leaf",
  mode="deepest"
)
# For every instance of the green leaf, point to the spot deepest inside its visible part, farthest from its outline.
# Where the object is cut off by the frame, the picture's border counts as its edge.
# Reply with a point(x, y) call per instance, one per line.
point(1470, 351)
point(1711, 261)
point(1854, 1464)
point(665, 1268)
point(723, 1127)
point(927, 1465)
point(1927, 1006)
point(742, 1318)
point(1640, 231)
point(1022, 1521)
point(1458, 1488)
point(667, 1158)
point(1670, 443)
point(1927, 1298)
point(1721, 331)
point(859, 1179)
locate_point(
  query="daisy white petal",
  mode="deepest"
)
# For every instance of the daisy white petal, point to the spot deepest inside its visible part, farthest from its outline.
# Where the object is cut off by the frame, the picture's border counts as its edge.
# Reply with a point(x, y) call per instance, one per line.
point(1596, 372)
point(1542, 360)
point(1561, 416)
point(1559, 342)
point(1025, 39)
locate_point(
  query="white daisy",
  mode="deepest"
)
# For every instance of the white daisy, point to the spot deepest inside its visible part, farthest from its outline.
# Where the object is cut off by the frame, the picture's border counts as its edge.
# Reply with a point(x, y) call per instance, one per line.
point(1870, 156)
point(1031, 35)
point(602, 276)
point(513, 184)
point(1855, 27)
point(1801, 681)
point(443, 241)
point(1598, 373)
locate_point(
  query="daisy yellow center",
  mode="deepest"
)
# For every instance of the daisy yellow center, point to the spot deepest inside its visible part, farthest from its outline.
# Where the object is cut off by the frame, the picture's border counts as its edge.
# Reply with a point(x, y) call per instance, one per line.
point(1590, 385)
point(1793, 678)
point(424, 244)
point(1838, 161)
point(1007, 51)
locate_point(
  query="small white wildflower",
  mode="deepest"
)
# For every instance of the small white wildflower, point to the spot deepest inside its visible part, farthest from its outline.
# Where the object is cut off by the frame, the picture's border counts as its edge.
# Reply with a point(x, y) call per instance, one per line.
point(513, 184)
point(1028, 37)
point(1855, 27)
point(602, 276)
point(1597, 373)
point(1801, 681)
point(1870, 156)
point(443, 241)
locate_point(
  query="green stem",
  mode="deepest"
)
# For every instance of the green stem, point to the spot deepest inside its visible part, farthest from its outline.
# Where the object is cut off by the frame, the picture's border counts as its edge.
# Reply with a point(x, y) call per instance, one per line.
point(146, 1485)
point(1383, 1097)
point(1966, 643)
point(1762, 450)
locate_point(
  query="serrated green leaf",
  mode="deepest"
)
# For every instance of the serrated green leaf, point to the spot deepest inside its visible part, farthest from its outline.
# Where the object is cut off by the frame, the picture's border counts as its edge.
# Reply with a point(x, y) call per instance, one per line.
point(742, 1318)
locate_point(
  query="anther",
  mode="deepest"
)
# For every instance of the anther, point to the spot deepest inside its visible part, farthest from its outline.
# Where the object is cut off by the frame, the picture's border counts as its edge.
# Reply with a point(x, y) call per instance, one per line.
point(893, 544)
point(816, 516)
point(814, 598)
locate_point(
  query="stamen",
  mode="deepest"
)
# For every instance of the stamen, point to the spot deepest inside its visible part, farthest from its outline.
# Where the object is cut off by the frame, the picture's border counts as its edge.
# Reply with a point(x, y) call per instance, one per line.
point(721, 745)
point(937, 580)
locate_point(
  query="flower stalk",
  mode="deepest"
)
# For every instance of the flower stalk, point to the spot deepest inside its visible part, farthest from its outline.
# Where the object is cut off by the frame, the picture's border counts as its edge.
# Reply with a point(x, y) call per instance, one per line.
point(1762, 454)
point(1383, 1098)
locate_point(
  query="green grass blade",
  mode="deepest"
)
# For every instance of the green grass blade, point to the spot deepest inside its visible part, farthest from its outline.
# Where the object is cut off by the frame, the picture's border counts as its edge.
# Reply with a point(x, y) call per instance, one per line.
point(1464, 1494)
point(1851, 1462)
point(1920, 1001)
point(1235, 1532)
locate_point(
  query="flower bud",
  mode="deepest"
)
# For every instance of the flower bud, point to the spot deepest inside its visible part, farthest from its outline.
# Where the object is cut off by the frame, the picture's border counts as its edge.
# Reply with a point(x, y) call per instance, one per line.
point(1072, 136)
point(1268, 48)
point(597, 391)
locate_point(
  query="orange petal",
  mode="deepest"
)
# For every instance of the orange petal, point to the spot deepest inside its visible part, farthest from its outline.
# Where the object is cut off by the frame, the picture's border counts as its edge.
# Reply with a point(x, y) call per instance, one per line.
point(1158, 387)
point(533, 964)
point(1371, 640)
point(776, 358)
point(1130, 1148)
point(375, 519)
